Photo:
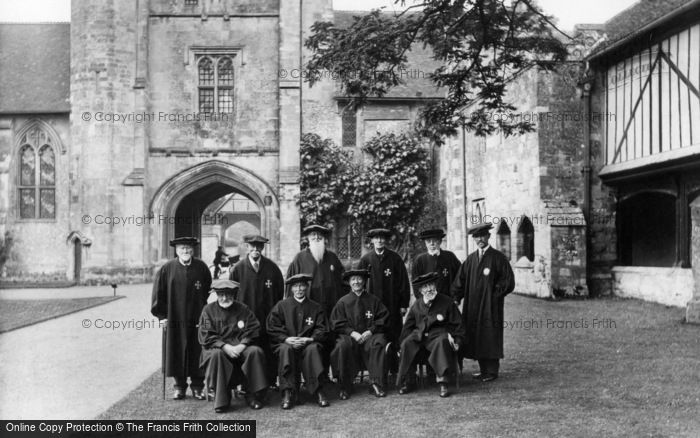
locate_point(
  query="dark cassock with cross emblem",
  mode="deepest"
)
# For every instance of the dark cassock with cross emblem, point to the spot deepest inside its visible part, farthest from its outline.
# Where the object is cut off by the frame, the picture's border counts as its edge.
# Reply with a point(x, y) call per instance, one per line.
point(483, 284)
point(259, 290)
point(446, 264)
point(389, 282)
point(179, 294)
point(288, 318)
point(355, 313)
point(233, 325)
point(327, 284)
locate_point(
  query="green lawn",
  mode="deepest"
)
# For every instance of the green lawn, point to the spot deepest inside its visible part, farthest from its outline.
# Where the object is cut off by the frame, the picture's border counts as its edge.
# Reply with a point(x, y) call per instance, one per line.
point(16, 314)
point(636, 373)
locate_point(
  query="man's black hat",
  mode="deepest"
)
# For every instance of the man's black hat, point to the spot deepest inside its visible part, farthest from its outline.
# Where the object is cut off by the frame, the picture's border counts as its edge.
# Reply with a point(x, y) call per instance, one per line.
point(480, 230)
point(192, 241)
point(374, 232)
point(352, 272)
point(425, 279)
point(299, 278)
point(317, 228)
point(436, 233)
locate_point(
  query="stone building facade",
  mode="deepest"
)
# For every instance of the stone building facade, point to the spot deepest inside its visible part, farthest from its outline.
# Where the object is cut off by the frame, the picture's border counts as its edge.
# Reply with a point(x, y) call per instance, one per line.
point(140, 121)
point(601, 198)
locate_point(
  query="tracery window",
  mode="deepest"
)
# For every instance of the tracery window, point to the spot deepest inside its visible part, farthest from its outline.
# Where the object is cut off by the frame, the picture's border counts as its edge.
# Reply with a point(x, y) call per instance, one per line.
point(37, 176)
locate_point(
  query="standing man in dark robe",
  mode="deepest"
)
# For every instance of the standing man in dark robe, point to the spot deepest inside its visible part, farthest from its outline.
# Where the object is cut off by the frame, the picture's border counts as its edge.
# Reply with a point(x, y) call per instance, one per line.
point(359, 320)
point(483, 281)
point(298, 329)
point(433, 327)
point(180, 292)
point(261, 287)
point(388, 279)
point(435, 259)
point(323, 265)
point(228, 332)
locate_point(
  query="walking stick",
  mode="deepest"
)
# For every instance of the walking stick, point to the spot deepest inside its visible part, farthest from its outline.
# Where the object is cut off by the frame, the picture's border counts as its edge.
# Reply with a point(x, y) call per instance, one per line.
point(162, 361)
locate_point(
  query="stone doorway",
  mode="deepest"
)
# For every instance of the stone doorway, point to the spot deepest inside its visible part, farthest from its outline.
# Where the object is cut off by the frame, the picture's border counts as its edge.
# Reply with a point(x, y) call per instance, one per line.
point(198, 202)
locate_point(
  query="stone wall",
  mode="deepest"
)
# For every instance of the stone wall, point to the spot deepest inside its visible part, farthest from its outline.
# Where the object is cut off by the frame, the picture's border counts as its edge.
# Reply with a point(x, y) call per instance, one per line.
point(669, 286)
point(38, 245)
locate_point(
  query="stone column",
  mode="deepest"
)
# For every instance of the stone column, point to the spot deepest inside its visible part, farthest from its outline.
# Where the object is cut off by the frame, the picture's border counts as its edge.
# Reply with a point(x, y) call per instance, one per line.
point(289, 128)
point(692, 313)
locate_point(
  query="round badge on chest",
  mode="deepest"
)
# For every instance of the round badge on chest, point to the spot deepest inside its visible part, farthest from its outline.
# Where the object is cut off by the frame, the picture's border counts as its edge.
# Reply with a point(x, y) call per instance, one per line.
point(487, 271)
point(241, 324)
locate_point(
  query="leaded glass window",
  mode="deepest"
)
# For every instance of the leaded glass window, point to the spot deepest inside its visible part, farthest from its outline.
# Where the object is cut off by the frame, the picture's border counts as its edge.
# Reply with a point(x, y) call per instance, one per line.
point(215, 82)
point(37, 183)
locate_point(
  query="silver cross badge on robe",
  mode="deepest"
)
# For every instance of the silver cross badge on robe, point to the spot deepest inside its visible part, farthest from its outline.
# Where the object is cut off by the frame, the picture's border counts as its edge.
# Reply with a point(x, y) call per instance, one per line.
point(368, 314)
point(309, 321)
point(197, 284)
point(387, 272)
point(268, 284)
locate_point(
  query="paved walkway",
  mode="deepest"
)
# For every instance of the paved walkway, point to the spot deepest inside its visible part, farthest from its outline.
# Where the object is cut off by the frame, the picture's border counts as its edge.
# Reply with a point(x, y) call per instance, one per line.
point(59, 369)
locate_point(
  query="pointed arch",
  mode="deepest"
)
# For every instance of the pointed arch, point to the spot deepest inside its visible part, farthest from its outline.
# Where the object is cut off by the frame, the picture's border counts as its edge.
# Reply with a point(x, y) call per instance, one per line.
point(168, 197)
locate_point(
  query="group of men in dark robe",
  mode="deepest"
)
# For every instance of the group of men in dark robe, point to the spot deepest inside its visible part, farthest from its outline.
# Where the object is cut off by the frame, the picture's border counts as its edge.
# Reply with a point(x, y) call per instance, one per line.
point(352, 320)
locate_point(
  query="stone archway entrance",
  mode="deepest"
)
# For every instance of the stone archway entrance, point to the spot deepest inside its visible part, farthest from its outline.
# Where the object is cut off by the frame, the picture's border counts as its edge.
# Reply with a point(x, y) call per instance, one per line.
point(178, 205)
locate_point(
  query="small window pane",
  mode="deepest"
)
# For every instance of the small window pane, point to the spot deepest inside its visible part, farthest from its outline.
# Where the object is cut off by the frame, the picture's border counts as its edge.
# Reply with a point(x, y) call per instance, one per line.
point(47, 204)
point(27, 203)
point(206, 101)
point(225, 72)
point(349, 129)
point(27, 166)
point(47, 167)
point(206, 72)
point(226, 100)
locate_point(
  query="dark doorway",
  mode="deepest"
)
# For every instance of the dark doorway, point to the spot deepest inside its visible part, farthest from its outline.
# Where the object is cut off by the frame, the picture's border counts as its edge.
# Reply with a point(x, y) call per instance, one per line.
point(647, 230)
point(77, 259)
point(207, 213)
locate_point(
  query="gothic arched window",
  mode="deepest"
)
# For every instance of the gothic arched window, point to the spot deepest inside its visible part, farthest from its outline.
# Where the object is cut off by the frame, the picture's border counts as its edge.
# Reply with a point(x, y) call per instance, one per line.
point(526, 240)
point(215, 83)
point(37, 176)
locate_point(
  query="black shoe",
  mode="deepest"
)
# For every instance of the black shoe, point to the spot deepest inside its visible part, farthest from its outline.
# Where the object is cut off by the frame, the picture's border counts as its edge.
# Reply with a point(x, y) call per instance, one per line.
point(198, 394)
point(489, 377)
point(477, 376)
point(444, 392)
point(212, 393)
point(179, 394)
point(322, 401)
point(254, 403)
point(287, 399)
point(405, 389)
point(220, 410)
point(343, 394)
point(377, 390)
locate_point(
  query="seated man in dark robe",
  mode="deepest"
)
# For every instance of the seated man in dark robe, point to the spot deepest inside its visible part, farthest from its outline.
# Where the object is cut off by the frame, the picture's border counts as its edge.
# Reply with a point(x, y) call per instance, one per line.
point(228, 331)
point(297, 328)
point(360, 320)
point(433, 327)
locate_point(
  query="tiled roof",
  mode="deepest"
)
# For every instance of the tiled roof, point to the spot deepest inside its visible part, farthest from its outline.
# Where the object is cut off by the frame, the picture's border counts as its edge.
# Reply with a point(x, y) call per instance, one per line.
point(34, 67)
point(633, 19)
point(420, 64)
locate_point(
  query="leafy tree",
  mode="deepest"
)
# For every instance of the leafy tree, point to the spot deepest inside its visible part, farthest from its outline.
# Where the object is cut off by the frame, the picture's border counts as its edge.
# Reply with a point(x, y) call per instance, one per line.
point(480, 44)
point(327, 175)
point(391, 189)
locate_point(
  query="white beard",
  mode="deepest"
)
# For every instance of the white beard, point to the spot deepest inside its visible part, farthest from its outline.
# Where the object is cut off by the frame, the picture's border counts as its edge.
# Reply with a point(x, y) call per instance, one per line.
point(317, 249)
